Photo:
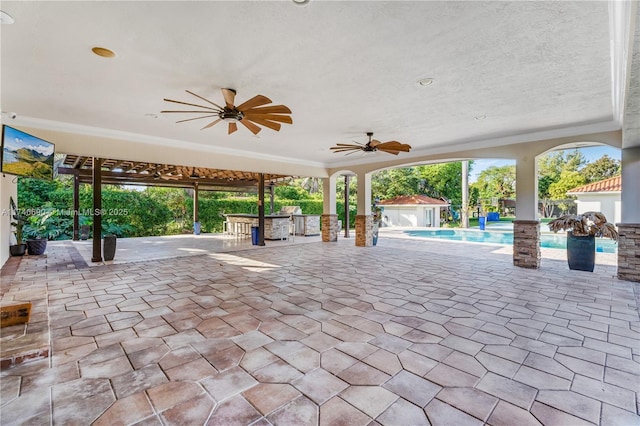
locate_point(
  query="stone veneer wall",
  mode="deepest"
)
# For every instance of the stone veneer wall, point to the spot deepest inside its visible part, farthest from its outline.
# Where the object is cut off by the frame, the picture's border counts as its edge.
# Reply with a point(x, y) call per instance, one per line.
point(364, 230)
point(329, 227)
point(526, 243)
point(275, 228)
point(629, 251)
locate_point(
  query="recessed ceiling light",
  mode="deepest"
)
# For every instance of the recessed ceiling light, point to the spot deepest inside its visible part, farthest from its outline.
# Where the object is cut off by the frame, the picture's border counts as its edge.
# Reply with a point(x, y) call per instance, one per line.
point(104, 52)
point(425, 81)
point(5, 18)
point(479, 117)
point(300, 2)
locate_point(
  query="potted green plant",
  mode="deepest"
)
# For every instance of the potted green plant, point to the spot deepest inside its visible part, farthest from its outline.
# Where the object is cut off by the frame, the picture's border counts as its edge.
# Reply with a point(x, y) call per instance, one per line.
point(19, 248)
point(85, 227)
point(39, 229)
point(582, 230)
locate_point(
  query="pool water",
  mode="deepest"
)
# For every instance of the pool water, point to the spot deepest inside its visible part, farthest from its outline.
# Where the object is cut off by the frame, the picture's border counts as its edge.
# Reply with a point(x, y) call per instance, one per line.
point(557, 241)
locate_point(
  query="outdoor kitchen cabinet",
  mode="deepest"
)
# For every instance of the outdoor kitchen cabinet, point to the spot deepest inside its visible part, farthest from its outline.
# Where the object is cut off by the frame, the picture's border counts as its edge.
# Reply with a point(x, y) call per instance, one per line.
point(307, 224)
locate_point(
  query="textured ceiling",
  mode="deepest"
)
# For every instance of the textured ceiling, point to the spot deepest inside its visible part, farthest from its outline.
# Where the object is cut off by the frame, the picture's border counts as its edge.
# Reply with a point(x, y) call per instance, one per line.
point(343, 68)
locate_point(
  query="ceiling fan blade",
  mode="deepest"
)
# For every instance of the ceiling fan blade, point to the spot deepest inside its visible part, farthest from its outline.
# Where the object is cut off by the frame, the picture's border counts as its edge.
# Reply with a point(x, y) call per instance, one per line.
point(394, 146)
point(388, 151)
point(390, 145)
point(229, 97)
point(273, 109)
point(352, 152)
point(233, 127)
point(342, 145)
point(342, 148)
point(253, 102)
point(187, 103)
point(190, 112)
point(249, 125)
point(211, 124)
point(197, 118)
point(374, 143)
point(262, 122)
point(204, 99)
point(272, 117)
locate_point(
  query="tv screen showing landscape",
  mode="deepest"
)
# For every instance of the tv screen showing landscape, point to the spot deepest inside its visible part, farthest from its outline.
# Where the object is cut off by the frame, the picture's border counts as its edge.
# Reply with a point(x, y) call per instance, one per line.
point(26, 155)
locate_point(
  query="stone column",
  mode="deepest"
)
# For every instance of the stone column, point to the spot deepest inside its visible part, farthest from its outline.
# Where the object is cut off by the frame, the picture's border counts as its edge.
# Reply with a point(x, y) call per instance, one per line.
point(526, 243)
point(329, 227)
point(364, 230)
point(629, 229)
point(329, 218)
point(629, 252)
point(526, 227)
point(364, 220)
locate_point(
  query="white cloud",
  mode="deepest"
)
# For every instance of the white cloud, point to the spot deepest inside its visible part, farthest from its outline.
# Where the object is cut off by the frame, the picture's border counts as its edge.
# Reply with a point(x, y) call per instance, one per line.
point(17, 143)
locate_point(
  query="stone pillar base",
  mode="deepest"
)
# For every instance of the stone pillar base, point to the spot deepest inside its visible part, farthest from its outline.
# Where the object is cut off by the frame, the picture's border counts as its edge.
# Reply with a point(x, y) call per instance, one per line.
point(629, 251)
point(329, 227)
point(364, 230)
point(526, 243)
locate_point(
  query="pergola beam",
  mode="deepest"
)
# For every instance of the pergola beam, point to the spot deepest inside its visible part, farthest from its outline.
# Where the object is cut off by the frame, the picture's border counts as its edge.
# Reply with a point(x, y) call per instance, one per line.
point(148, 179)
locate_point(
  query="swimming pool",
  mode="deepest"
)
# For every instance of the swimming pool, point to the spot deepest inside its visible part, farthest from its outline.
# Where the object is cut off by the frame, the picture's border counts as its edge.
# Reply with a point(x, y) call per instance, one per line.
point(557, 241)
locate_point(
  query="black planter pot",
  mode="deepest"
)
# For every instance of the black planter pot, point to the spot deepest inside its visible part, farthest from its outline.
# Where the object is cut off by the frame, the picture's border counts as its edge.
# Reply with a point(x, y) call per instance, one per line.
point(109, 247)
point(18, 249)
point(581, 252)
point(37, 247)
point(84, 232)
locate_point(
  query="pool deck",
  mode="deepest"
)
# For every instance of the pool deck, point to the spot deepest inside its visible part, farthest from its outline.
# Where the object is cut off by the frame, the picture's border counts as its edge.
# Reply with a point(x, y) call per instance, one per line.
point(411, 331)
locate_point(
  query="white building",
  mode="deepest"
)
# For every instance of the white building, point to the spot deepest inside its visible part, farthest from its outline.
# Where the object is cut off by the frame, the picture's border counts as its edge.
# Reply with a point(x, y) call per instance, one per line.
point(602, 196)
point(412, 211)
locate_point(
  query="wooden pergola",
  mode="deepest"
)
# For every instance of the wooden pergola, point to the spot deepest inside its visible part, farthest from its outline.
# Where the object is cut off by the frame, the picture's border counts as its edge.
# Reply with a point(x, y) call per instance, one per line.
point(126, 172)
point(98, 171)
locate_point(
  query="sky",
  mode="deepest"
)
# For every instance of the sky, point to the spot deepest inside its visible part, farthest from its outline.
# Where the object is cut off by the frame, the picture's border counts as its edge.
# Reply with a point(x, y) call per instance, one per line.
point(15, 139)
point(591, 153)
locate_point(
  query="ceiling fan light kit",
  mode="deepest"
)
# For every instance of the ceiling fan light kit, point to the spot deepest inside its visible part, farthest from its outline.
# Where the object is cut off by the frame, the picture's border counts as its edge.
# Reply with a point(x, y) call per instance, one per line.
point(391, 147)
point(251, 114)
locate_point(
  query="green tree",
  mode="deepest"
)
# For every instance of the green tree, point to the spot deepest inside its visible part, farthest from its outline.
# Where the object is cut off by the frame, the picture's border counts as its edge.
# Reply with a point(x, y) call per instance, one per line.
point(496, 183)
point(176, 200)
point(442, 180)
point(558, 190)
point(574, 160)
point(291, 192)
point(550, 168)
point(603, 168)
point(395, 182)
point(33, 194)
point(311, 185)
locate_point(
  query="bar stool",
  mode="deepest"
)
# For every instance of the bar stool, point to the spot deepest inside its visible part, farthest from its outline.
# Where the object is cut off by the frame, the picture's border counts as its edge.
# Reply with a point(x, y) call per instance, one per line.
point(227, 228)
point(292, 230)
point(246, 229)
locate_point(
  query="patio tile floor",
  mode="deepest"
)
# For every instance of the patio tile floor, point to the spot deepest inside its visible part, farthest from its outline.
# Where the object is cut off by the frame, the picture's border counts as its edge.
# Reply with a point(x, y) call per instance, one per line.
point(407, 332)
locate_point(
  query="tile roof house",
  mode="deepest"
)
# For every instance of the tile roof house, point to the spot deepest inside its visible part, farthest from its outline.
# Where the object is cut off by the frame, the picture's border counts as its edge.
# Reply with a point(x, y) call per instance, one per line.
point(602, 196)
point(413, 211)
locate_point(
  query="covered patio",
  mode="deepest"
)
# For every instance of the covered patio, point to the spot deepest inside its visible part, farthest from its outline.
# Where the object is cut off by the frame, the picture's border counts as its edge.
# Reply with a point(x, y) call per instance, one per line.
point(338, 331)
point(326, 334)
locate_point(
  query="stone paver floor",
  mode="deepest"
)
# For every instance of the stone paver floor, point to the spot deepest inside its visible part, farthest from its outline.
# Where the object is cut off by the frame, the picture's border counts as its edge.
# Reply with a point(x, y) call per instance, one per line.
point(407, 332)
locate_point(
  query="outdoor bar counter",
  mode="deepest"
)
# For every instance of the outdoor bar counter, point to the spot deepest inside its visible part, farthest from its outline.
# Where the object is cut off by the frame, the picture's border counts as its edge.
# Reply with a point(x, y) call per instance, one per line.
point(276, 226)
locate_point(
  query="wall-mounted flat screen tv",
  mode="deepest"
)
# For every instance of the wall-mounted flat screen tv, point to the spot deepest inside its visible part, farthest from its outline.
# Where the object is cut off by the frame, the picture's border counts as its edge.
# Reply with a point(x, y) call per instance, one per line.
point(26, 155)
